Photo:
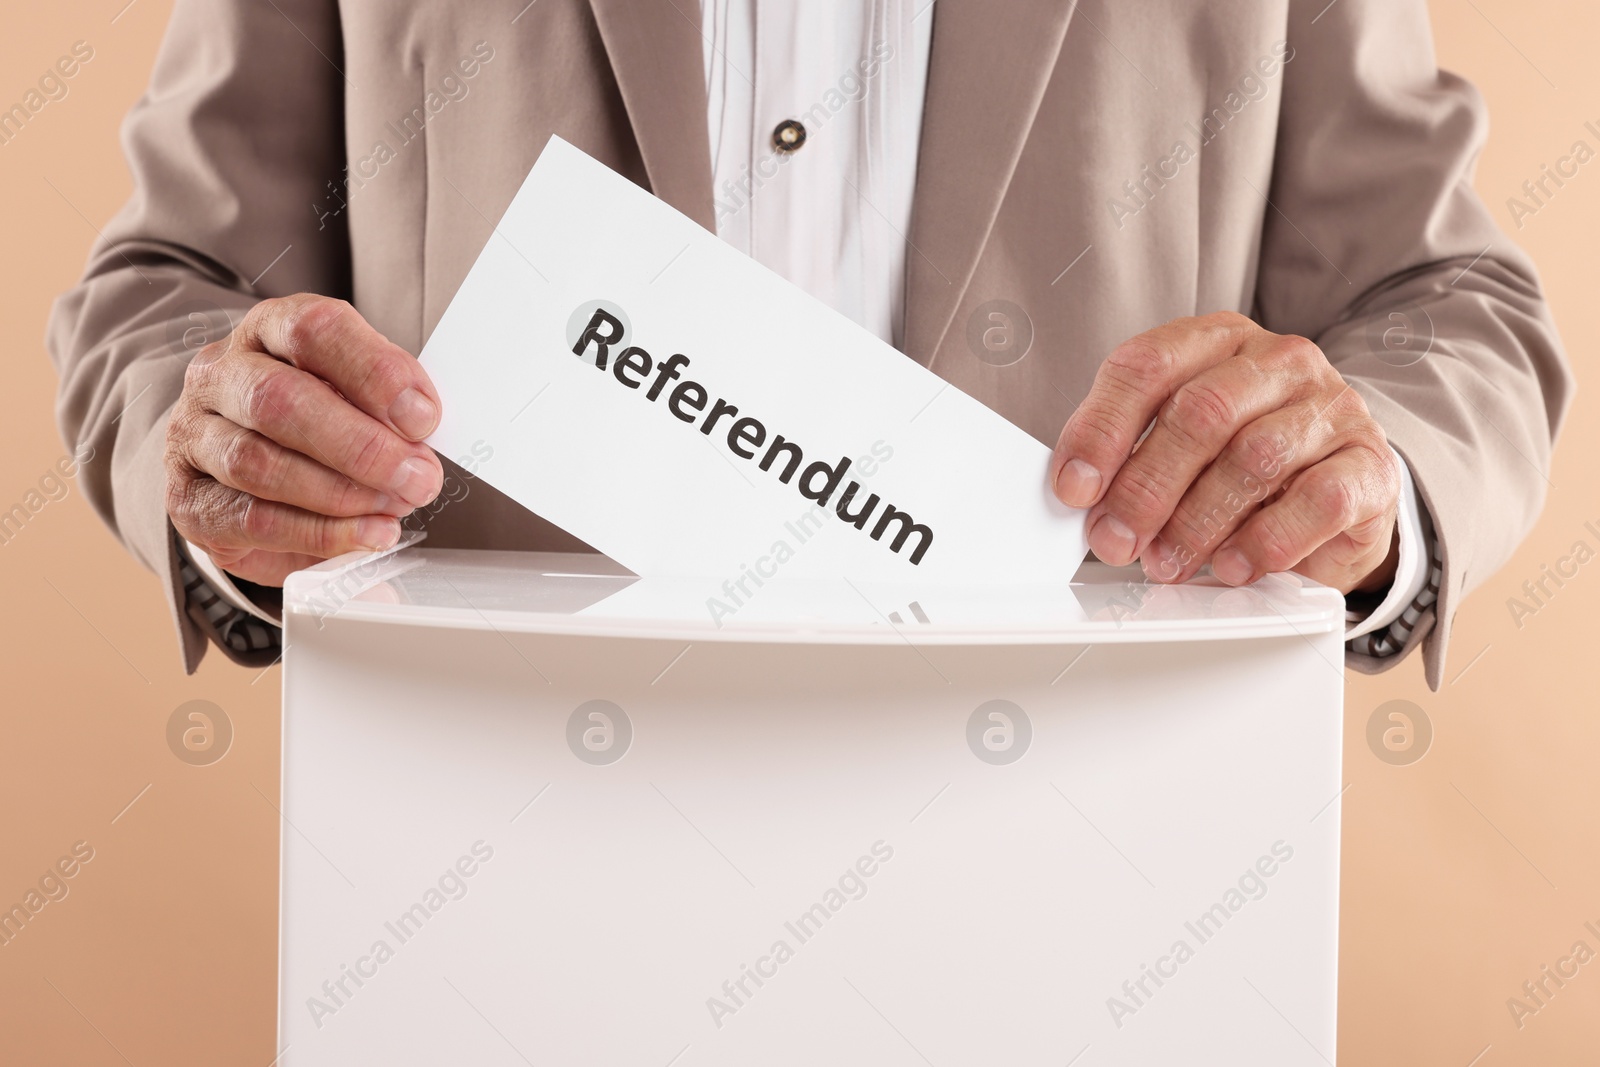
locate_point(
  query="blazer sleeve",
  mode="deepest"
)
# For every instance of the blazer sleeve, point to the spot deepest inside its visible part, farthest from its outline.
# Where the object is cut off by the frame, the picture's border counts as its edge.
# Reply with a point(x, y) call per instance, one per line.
point(1375, 246)
point(237, 158)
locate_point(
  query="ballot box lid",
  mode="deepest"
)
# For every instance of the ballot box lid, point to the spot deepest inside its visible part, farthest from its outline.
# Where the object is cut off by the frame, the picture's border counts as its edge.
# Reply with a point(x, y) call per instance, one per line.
point(586, 594)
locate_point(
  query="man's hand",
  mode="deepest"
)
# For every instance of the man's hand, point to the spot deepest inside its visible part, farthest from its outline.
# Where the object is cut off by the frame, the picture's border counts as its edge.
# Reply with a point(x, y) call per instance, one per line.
point(1261, 459)
point(295, 439)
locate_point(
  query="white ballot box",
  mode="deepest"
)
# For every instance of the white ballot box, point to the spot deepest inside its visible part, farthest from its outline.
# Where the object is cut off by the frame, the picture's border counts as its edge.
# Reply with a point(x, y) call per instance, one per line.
point(537, 811)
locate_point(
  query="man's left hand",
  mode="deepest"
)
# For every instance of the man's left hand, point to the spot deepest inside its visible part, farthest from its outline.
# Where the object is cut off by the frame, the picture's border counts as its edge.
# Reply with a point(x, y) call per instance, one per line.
point(1261, 458)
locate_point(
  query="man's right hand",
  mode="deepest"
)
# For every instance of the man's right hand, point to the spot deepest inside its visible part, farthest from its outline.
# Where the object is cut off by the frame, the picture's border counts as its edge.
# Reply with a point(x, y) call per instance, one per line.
point(296, 439)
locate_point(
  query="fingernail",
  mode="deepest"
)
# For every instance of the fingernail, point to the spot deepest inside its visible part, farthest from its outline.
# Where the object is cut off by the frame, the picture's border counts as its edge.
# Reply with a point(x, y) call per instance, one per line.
point(377, 533)
point(1112, 541)
point(1230, 566)
point(416, 482)
point(413, 414)
point(1158, 564)
point(1077, 484)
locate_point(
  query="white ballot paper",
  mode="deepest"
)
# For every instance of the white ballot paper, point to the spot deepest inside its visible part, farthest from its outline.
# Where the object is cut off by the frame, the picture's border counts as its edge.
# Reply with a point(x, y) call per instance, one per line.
point(689, 413)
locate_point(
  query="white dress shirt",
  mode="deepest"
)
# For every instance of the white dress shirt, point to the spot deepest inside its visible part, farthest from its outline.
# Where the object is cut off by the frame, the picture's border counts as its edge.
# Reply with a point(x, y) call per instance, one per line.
point(831, 215)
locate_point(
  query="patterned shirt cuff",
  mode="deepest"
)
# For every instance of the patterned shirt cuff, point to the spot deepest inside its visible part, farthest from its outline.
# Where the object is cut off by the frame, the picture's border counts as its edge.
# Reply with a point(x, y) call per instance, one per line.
point(234, 629)
point(1391, 639)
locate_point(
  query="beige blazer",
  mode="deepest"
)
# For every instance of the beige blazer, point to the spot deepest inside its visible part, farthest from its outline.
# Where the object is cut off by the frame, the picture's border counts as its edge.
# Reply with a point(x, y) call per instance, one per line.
point(1104, 167)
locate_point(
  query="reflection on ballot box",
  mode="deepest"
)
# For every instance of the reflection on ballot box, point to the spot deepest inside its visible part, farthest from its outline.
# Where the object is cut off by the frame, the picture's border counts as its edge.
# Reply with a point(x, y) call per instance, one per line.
point(539, 810)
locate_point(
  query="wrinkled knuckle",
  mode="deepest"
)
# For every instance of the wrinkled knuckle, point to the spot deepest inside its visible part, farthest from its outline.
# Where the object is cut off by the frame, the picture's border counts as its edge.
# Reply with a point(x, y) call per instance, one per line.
point(1201, 413)
point(308, 322)
point(1141, 364)
point(1272, 545)
point(256, 525)
point(1225, 328)
point(269, 397)
point(380, 378)
point(1366, 434)
point(1208, 521)
point(1382, 466)
point(1180, 529)
point(324, 536)
point(201, 512)
point(1259, 452)
point(1294, 356)
point(1386, 465)
point(369, 452)
point(1300, 349)
point(300, 333)
point(180, 428)
point(232, 461)
point(1094, 432)
point(349, 499)
point(259, 314)
point(315, 535)
point(1140, 496)
point(1350, 406)
point(247, 460)
point(202, 370)
point(179, 496)
point(1334, 498)
point(1196, 527)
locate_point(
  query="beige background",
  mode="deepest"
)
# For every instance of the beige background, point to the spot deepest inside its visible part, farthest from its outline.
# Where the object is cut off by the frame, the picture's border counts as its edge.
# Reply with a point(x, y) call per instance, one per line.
point(1464, 872)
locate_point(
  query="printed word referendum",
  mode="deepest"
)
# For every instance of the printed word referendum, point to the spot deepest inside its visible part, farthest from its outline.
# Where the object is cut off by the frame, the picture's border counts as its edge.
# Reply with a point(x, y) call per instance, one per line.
point(688, 401)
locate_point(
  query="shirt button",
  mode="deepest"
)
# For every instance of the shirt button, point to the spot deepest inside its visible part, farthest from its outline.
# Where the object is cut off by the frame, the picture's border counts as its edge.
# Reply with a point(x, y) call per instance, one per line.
point(789, 136)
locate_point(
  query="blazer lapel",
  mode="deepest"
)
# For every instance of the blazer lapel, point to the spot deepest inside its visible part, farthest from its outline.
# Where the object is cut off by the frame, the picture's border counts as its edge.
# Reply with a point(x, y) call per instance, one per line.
point(987, 73)
point(656, 56)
